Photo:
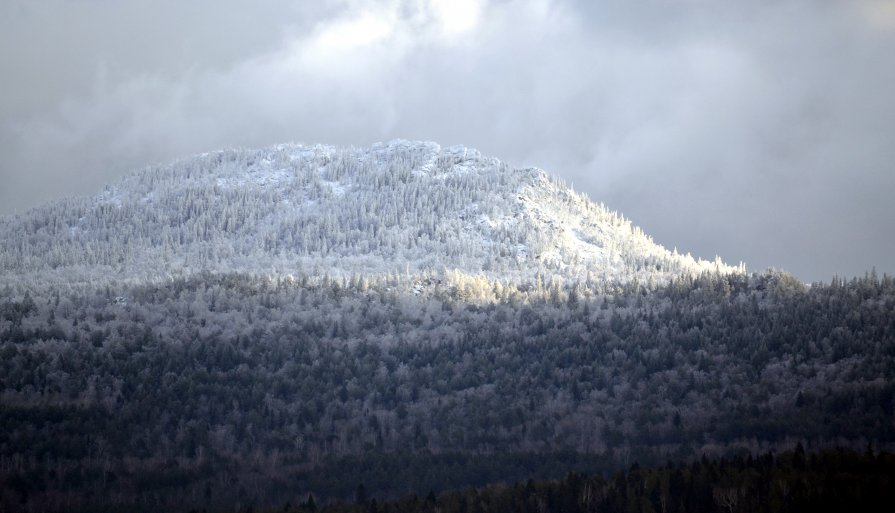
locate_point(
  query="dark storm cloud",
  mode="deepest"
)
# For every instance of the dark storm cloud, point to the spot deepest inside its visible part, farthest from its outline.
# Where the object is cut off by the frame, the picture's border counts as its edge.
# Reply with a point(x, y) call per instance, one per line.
point(760, 131)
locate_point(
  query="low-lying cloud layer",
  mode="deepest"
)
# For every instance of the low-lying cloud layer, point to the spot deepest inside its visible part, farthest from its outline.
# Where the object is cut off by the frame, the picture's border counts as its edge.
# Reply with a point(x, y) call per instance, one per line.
point(760, 131)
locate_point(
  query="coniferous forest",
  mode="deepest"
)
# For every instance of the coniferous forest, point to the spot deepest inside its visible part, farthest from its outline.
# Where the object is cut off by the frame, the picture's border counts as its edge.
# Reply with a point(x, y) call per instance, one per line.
point(829, 481)
point(218, 294)
point(225, 389)
point(236, 277)
point(250, 328)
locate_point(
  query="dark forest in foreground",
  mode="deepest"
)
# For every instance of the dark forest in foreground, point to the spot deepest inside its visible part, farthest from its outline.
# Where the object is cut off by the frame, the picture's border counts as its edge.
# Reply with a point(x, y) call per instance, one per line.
point(830, 481)
point(225, 389)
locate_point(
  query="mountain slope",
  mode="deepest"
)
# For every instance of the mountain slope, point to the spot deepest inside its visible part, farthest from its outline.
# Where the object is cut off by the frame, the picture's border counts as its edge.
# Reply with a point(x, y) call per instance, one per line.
point(401, 207)
point(124, 389)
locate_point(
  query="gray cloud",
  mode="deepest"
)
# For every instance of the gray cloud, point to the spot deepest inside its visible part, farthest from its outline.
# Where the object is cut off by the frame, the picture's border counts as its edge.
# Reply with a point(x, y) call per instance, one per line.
point(757, 131)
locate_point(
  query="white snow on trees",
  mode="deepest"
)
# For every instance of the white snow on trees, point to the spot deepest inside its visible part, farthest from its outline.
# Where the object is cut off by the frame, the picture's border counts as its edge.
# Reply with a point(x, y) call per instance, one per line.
point(411, 208)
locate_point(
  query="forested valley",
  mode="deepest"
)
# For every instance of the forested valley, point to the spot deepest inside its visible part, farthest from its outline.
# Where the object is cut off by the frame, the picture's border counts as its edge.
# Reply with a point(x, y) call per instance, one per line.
point(218, 390)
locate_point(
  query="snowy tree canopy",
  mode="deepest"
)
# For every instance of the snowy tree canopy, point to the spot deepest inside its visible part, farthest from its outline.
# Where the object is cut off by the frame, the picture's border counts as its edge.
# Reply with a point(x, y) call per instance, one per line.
point(407, 208)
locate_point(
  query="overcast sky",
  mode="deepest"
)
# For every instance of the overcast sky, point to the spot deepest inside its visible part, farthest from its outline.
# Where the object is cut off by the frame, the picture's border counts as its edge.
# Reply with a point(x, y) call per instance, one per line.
point(761, 131)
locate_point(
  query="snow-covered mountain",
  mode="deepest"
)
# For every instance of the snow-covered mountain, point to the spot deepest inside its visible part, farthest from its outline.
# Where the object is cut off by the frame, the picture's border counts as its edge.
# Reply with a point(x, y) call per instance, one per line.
point(403, 207)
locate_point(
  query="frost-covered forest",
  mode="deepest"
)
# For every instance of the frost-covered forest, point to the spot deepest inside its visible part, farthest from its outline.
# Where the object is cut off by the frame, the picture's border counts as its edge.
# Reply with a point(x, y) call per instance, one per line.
point(245, 327)
point(223, 389)
point(404, 207)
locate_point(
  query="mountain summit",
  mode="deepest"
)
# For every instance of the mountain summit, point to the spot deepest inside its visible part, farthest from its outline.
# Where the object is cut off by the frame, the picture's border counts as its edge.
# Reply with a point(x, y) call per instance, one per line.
point(400, 207)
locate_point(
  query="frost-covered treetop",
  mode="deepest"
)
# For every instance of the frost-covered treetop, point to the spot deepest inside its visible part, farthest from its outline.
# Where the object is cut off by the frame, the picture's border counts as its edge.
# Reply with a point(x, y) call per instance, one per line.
point(411, 208)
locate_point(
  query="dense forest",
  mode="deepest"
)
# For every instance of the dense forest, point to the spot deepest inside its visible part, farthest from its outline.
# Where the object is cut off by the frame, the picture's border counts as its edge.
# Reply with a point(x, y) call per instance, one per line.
point(828, 481)
point(223, 389)
point(407, 206)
